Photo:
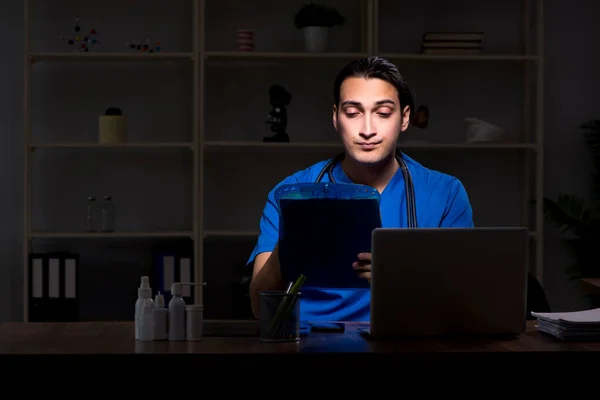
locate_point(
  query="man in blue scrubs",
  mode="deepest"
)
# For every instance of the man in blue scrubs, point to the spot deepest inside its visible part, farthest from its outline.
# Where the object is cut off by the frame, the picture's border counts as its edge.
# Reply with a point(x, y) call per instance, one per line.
point(372, 106)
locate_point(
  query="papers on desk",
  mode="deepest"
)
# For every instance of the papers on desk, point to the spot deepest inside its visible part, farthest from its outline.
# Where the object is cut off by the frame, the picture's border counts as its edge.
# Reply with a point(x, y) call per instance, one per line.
point(576, 325)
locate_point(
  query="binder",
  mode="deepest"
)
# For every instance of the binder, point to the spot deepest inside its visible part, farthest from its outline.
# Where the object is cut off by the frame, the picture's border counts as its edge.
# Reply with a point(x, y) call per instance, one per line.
point(53, 287)
point(170, 267)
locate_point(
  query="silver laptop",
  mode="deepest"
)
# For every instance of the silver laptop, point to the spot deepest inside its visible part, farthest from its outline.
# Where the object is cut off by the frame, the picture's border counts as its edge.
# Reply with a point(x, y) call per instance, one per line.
point(449, 281)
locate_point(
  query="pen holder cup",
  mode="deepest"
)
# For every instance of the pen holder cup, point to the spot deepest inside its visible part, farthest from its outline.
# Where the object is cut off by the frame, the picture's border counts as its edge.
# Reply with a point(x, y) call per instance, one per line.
point(279, 316)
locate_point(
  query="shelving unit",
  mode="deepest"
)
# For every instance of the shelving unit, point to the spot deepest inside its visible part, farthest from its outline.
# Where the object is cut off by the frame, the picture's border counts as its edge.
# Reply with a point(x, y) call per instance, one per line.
point(121, 60)
point(317, 147)
point(211, 145)
point(528, 147)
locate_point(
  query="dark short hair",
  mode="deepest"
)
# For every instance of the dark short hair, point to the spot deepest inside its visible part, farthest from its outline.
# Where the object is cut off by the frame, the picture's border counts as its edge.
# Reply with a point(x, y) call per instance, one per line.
point(375, 68)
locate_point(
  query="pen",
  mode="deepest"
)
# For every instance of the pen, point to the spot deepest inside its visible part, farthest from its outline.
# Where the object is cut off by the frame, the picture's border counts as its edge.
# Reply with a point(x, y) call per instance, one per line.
point(286, 305)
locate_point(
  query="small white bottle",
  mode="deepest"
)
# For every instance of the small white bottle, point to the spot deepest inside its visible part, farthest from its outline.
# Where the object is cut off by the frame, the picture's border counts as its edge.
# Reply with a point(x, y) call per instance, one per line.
point(146, 321)
point(160, 318)
point(144, 293)
point(176, 313)
point(194, 322)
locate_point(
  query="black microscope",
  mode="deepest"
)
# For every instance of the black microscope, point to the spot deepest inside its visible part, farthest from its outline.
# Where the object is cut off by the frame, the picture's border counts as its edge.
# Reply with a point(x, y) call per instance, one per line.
point(279, 98)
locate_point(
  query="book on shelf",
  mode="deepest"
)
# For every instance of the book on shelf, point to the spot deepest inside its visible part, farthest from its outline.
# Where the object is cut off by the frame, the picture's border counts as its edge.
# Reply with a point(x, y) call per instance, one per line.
point(453, 36)
point(574, 325)
point(452, 43)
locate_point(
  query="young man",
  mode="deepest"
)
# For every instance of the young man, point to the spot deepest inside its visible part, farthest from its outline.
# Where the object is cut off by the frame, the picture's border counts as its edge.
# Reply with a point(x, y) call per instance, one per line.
point(372, 105)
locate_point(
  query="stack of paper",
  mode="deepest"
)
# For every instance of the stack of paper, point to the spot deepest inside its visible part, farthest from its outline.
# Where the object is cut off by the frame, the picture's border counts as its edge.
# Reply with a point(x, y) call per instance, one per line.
point(576, 325)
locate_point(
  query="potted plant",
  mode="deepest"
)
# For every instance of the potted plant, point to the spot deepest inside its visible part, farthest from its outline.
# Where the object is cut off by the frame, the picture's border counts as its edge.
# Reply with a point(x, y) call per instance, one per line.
point(579, 219)
point(316, 20)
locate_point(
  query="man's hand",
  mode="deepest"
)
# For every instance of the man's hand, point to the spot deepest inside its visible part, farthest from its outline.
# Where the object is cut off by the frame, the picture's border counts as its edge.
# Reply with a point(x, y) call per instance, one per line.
point(363, 266)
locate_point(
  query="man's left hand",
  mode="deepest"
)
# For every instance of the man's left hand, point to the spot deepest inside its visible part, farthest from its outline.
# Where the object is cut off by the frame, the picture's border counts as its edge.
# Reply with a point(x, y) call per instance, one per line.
point(363, 266)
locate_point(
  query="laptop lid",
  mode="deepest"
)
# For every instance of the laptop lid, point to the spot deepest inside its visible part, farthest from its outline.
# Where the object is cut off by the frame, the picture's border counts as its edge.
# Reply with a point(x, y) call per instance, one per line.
point(449, 281)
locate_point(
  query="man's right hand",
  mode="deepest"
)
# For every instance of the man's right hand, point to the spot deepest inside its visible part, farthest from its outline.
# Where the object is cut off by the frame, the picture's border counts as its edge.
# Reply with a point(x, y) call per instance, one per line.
point(266, 275)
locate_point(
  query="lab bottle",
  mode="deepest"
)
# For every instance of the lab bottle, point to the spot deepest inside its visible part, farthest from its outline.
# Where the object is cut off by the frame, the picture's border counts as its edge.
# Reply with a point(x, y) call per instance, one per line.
point(107, 215)
point(176, 314)
point(146, 321)
point(144, 294)
point(160, 318)
point(92, 214)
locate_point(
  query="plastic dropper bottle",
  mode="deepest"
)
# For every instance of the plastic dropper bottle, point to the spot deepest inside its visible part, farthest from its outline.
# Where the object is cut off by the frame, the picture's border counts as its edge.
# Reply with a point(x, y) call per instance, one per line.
point(176, 313)
point(146, 321)
point(144, 293)
point(184, 322)
point(160, 318)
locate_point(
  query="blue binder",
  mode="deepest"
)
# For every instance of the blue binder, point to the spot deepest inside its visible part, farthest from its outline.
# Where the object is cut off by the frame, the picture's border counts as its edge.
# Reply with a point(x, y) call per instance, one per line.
point(322, 228)
point(169, 267)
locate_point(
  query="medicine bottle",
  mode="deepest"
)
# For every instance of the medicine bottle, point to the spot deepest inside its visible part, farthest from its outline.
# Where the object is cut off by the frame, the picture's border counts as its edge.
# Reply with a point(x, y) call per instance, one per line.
point(146, 322)
point(144, 293)
point(160, 316)
point(176, 314)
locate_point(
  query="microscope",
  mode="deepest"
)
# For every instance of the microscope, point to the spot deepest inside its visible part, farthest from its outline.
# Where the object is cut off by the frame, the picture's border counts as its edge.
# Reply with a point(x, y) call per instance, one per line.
point(279, 98)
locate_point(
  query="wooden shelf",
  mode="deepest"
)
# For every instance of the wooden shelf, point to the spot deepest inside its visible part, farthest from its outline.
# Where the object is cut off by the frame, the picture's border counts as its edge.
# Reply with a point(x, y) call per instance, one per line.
point(209, 234)
point(244, 55)
point(92, 235)
point(117, 56)
point(91, 145)
point(239, 145)
point(314, 146)
point(35, 61)
point(217, 234)
point(234, 55)
point(458, 57)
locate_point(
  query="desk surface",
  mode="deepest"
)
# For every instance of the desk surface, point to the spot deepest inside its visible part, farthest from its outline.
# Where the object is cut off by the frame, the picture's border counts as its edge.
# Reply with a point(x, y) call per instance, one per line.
point(117, 338)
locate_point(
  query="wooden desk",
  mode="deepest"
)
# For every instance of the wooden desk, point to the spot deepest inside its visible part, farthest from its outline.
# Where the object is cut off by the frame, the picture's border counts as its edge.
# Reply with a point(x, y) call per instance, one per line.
point(347, 351)
point(117, 338)
point(107, 351)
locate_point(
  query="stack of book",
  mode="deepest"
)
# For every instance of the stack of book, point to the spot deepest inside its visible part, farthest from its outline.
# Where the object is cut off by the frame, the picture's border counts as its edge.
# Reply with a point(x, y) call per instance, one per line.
point(576, 325)
point(452, 43)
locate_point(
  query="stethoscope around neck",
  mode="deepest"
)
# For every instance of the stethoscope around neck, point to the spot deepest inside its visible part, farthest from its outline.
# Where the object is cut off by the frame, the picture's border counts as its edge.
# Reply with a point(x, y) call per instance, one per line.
point(411, 212)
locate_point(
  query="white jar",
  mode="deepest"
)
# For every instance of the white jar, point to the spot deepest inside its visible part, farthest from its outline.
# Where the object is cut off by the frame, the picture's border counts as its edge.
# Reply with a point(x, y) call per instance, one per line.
point(194, 322)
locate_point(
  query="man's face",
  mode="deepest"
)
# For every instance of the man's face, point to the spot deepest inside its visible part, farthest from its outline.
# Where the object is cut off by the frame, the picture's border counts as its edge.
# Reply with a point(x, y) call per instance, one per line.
point(369, 119)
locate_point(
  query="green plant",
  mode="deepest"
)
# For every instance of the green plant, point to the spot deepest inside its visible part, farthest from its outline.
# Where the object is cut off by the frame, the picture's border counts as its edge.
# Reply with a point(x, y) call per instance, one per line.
point(313, 14)
point(579, 219)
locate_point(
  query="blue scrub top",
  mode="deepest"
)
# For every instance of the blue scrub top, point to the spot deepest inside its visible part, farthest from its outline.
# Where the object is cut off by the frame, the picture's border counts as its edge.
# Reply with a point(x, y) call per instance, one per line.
point(441, 201)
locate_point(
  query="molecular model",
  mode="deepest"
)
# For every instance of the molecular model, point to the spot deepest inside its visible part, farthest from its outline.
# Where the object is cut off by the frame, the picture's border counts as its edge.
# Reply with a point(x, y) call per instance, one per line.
point(137, 46)
point(80, 41)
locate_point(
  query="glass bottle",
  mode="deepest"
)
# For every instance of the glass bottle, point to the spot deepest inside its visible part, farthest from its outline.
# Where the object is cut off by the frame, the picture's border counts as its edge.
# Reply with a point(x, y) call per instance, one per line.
point(92, 214)
point(107, 215)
